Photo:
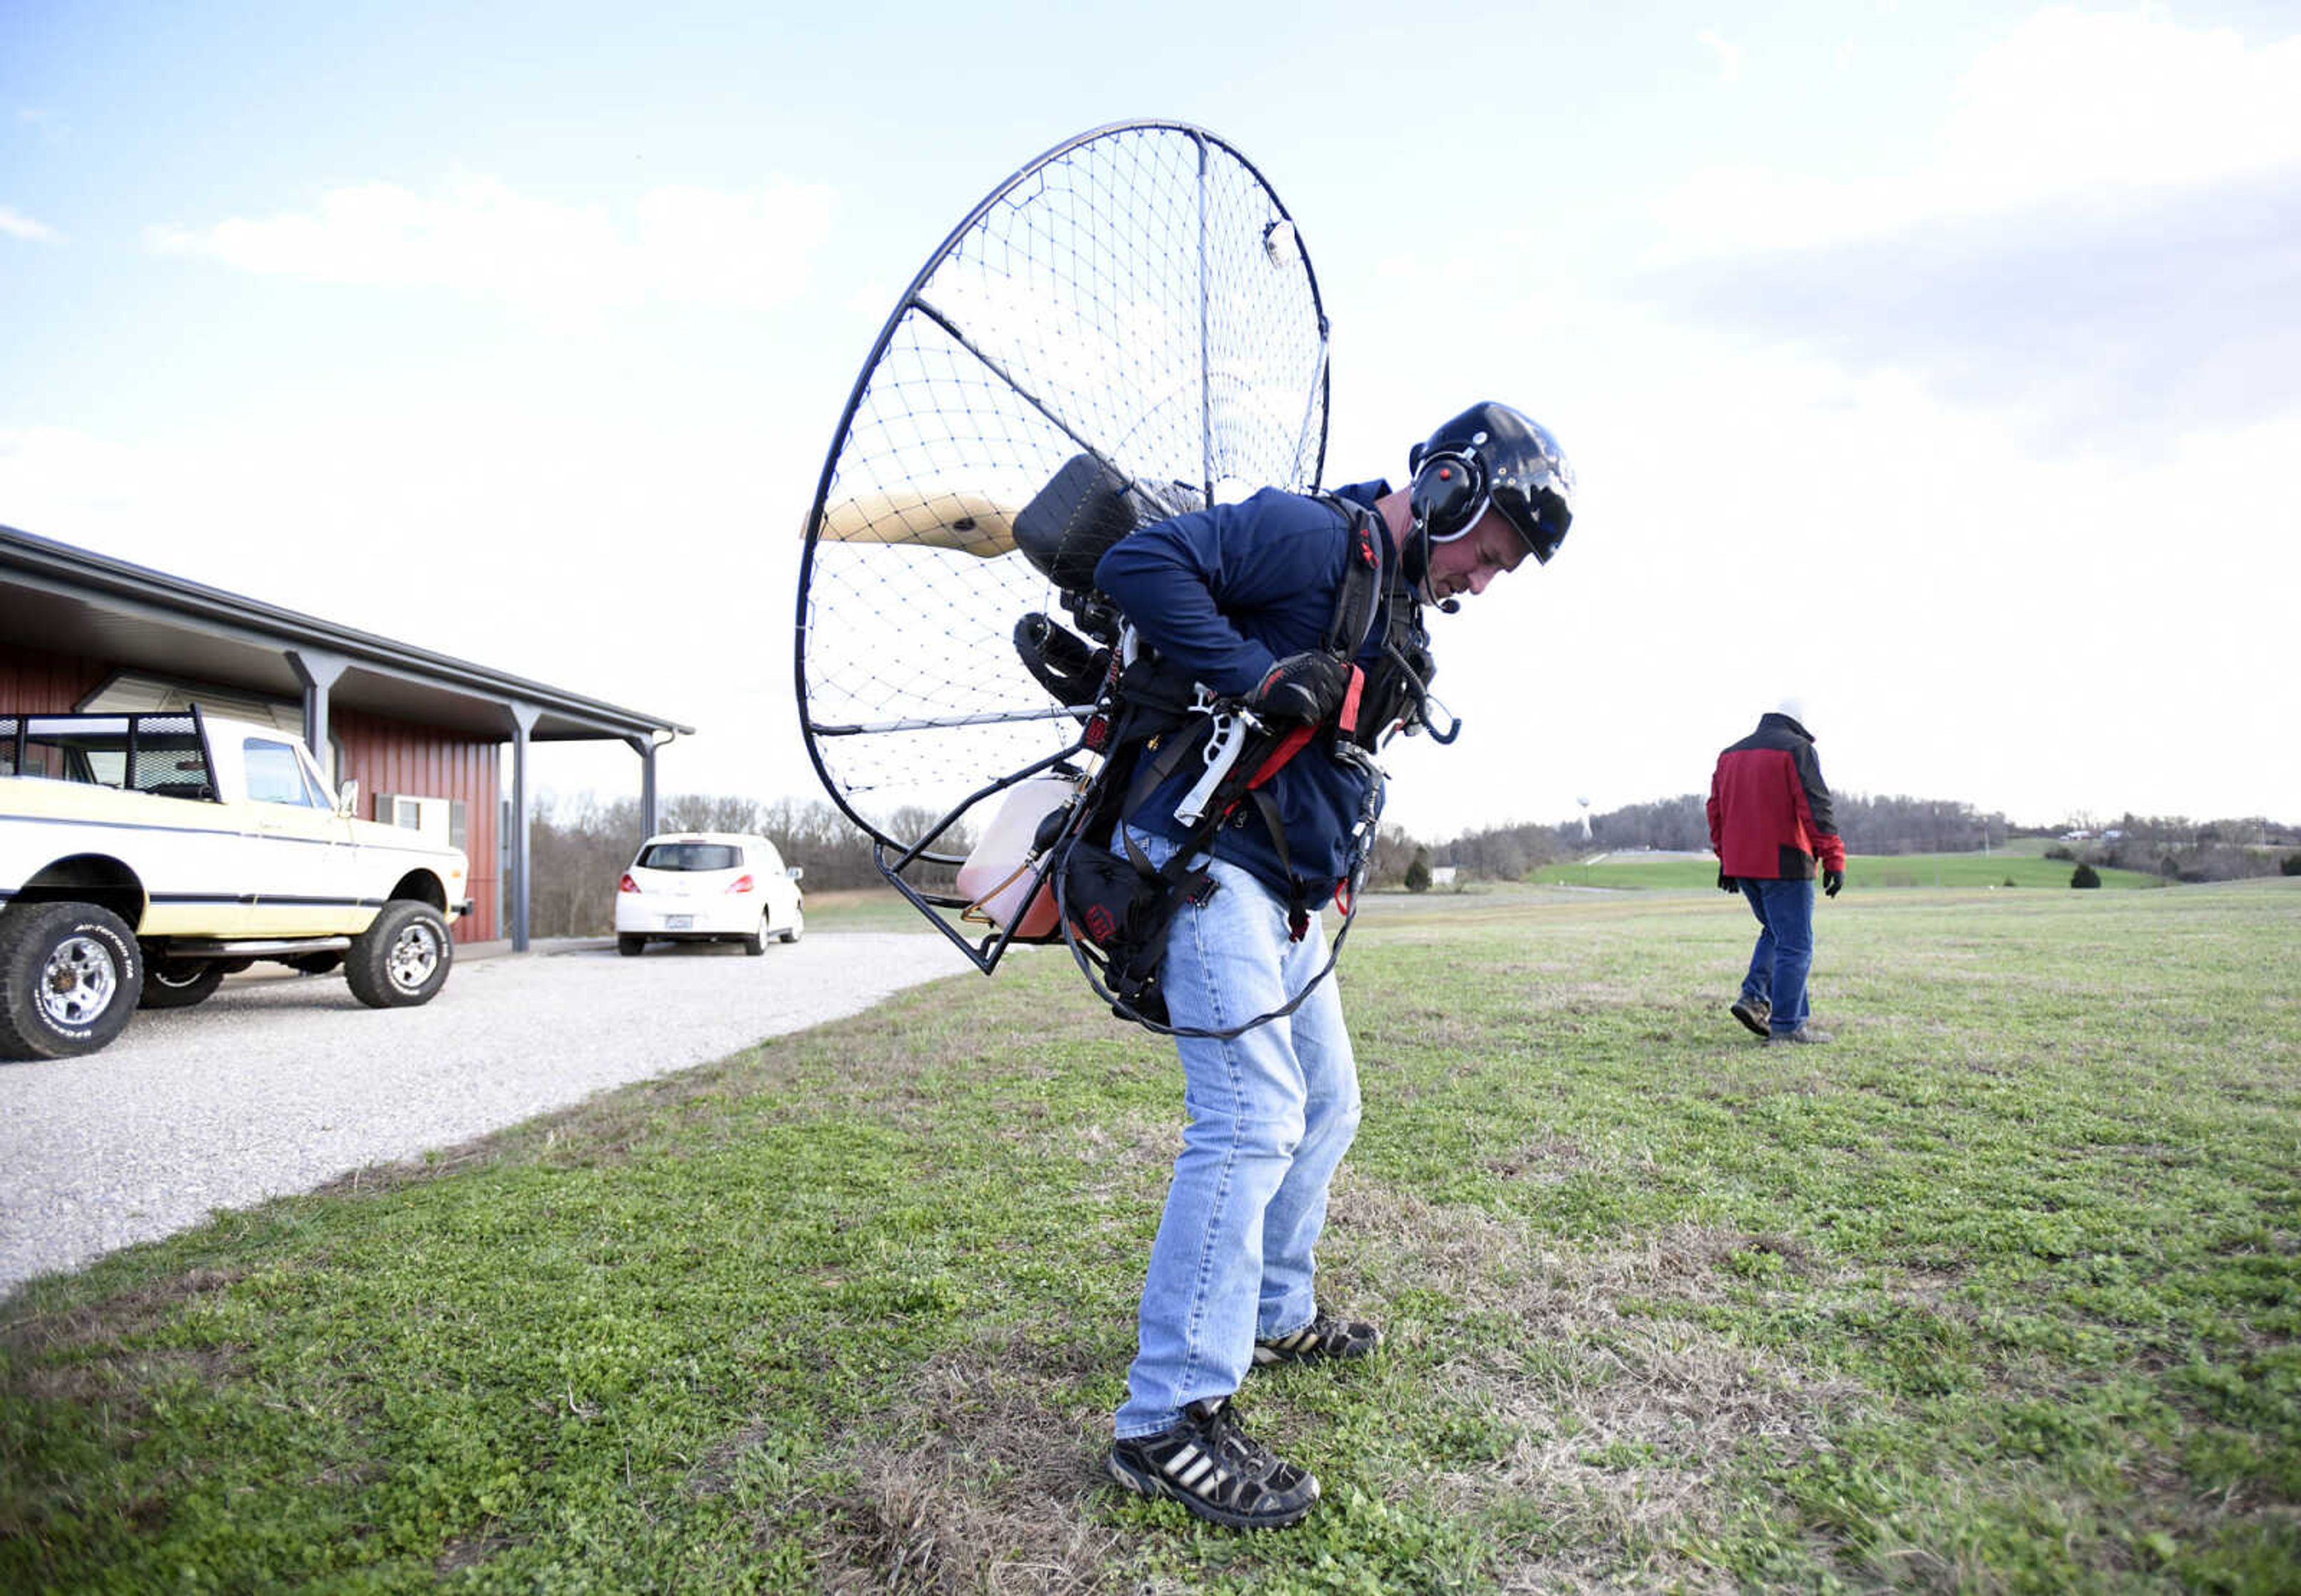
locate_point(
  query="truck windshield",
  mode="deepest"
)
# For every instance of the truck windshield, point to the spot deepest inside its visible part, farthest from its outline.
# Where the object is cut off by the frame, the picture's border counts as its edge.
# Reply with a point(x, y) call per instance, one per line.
point(690, 855)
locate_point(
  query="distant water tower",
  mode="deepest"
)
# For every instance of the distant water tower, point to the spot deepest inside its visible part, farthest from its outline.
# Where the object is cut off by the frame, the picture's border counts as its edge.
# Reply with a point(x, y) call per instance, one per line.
point(1585, 818)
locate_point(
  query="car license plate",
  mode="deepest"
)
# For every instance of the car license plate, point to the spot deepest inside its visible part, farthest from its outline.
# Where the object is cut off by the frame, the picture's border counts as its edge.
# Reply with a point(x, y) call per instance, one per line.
point(679, 922)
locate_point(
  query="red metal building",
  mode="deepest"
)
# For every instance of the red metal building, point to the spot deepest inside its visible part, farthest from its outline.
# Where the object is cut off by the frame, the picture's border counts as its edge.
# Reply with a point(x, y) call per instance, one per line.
point(424, 735)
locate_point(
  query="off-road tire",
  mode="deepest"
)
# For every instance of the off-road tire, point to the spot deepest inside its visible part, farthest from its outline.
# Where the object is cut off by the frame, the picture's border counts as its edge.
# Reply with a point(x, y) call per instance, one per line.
point(401, 960)
point(178, 983)
point(630, 947)
point(80, 946)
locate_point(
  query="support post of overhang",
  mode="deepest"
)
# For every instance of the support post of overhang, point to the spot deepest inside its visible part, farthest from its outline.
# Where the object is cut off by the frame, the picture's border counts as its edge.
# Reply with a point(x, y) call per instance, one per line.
point(317, 670)
point(524, 718)
point(645, 746)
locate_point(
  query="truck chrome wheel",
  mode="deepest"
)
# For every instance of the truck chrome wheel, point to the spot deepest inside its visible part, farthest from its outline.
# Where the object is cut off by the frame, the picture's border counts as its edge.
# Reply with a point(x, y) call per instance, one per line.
point(415, 955)
point(71, 976)
point(80, 983)
point(402, 958)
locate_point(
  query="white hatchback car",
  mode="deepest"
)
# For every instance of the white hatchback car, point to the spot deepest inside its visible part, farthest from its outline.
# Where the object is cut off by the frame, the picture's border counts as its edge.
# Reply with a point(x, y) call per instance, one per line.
point(707, 886)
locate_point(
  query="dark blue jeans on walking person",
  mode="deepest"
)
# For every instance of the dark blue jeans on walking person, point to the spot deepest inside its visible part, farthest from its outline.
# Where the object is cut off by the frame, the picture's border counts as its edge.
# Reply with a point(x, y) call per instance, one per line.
point(1785, 950)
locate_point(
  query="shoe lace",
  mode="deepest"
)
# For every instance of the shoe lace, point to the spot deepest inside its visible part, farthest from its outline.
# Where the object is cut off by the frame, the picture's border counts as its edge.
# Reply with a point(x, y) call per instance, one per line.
point(1245, 1456)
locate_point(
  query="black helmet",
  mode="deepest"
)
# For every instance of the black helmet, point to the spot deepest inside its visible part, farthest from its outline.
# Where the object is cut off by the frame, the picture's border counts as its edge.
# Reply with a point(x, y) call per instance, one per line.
point(1493, 455)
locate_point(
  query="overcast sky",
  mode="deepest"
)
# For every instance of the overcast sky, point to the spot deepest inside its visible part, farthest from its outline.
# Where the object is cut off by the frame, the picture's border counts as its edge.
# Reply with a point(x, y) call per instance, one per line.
point(1939, 364)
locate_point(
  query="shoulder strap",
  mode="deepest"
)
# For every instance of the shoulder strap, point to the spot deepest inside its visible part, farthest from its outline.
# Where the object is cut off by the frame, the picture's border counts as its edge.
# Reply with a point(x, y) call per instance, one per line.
point(1360, 598)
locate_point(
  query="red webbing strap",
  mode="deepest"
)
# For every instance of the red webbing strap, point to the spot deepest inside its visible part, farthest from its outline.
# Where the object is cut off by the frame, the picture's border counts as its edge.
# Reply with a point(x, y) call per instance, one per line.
point(1346, 718)
point(1299, 737)
point(1292, 744)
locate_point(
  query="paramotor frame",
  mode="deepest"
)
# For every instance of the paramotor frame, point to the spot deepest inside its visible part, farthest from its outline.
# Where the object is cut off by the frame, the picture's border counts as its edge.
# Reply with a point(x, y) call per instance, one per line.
point(1134, 303)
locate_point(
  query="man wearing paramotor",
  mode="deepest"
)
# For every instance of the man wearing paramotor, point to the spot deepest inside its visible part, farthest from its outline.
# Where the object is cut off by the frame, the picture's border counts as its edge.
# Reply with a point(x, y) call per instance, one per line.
point(1244, 599)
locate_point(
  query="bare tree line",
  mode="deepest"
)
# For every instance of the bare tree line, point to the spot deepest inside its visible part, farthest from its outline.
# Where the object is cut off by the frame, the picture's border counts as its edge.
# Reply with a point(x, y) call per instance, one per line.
point(2174, 846)
point(582, 846)
point(2183, 850)
point(1893, 824)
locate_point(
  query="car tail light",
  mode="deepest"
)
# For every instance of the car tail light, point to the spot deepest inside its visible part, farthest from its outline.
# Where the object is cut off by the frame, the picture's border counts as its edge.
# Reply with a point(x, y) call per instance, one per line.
point(627, 884)
point(743, 883)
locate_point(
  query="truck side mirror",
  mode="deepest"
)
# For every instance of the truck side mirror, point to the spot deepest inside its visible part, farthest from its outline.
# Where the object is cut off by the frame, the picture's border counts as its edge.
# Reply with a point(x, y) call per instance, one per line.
point(347, 800)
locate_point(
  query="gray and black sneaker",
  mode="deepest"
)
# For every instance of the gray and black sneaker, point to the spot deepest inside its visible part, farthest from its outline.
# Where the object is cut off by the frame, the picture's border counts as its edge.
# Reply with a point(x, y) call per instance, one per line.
point(1321, 1338)
point(1803, 1033)
point(1217, 1470)
point(1753, 1013)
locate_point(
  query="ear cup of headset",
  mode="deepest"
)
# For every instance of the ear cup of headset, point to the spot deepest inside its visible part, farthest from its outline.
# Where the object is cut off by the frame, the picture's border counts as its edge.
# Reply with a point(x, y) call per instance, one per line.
point(1449, 494)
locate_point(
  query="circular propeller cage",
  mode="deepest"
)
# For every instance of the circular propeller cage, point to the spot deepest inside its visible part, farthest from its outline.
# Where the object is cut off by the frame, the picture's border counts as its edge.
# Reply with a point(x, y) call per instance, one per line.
point(1134, 307)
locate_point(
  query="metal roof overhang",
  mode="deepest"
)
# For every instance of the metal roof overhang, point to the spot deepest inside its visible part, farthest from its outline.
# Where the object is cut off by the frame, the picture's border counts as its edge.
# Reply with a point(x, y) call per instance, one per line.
point(68, 600)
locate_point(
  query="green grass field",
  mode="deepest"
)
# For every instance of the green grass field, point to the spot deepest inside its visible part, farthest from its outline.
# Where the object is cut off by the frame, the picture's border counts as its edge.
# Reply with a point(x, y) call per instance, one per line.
point(865, 908)
point(1863, 873)
point(1998, 1293)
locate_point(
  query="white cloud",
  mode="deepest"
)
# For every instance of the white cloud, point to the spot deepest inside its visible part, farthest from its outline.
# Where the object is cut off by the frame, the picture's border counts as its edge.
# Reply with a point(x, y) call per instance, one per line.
point(565, 512)
point(2068, 104)
point(1964, 619)
point(2098, 240)
point(1730, 56)
point(2099, 323)
point(2073, 99)
point(17, 225)
point(475, 235)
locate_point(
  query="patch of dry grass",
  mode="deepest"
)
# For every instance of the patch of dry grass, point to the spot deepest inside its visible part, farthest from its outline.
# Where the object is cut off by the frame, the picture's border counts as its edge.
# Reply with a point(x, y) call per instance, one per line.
point(1610, 1428)
point(979, 1482)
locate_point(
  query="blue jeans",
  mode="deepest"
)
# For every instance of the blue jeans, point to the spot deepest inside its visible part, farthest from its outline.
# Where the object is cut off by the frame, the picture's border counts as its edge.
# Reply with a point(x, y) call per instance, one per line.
point(1785, 950)
point(1271, 1114)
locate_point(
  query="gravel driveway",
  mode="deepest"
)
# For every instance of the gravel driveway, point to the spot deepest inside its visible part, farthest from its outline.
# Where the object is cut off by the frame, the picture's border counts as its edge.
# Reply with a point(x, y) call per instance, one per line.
point(279, 1083)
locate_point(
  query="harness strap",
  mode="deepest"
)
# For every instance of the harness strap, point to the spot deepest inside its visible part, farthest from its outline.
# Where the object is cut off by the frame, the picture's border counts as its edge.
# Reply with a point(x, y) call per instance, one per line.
point(1174, 748)
point(1151, 711)
point(1359, 598)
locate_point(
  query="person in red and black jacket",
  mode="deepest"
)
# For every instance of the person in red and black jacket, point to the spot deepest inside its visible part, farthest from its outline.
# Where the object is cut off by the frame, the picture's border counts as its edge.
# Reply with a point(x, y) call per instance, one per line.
point(1769, 821)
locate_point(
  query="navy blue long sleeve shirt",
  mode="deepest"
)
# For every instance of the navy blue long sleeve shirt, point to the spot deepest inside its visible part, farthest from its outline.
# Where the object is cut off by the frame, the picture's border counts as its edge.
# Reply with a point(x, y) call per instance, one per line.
point(1226, 593)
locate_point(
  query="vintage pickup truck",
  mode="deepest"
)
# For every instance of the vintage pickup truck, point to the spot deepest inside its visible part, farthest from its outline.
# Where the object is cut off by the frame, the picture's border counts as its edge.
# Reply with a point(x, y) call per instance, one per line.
point(143, 858)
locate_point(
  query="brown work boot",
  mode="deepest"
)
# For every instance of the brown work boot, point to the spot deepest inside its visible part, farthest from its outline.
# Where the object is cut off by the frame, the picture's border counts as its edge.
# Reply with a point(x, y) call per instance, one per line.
point(1803, 1033)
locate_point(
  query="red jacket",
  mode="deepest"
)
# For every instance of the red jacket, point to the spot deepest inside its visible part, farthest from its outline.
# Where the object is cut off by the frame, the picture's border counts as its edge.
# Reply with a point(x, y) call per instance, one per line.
point(1770, 814)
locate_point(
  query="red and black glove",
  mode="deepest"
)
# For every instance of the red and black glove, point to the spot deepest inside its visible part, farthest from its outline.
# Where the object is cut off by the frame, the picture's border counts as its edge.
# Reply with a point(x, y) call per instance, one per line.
point(1302, 687)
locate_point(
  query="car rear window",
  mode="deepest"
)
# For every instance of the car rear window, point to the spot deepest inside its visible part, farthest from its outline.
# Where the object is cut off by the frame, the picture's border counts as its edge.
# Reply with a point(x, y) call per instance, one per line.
point(690, 855)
